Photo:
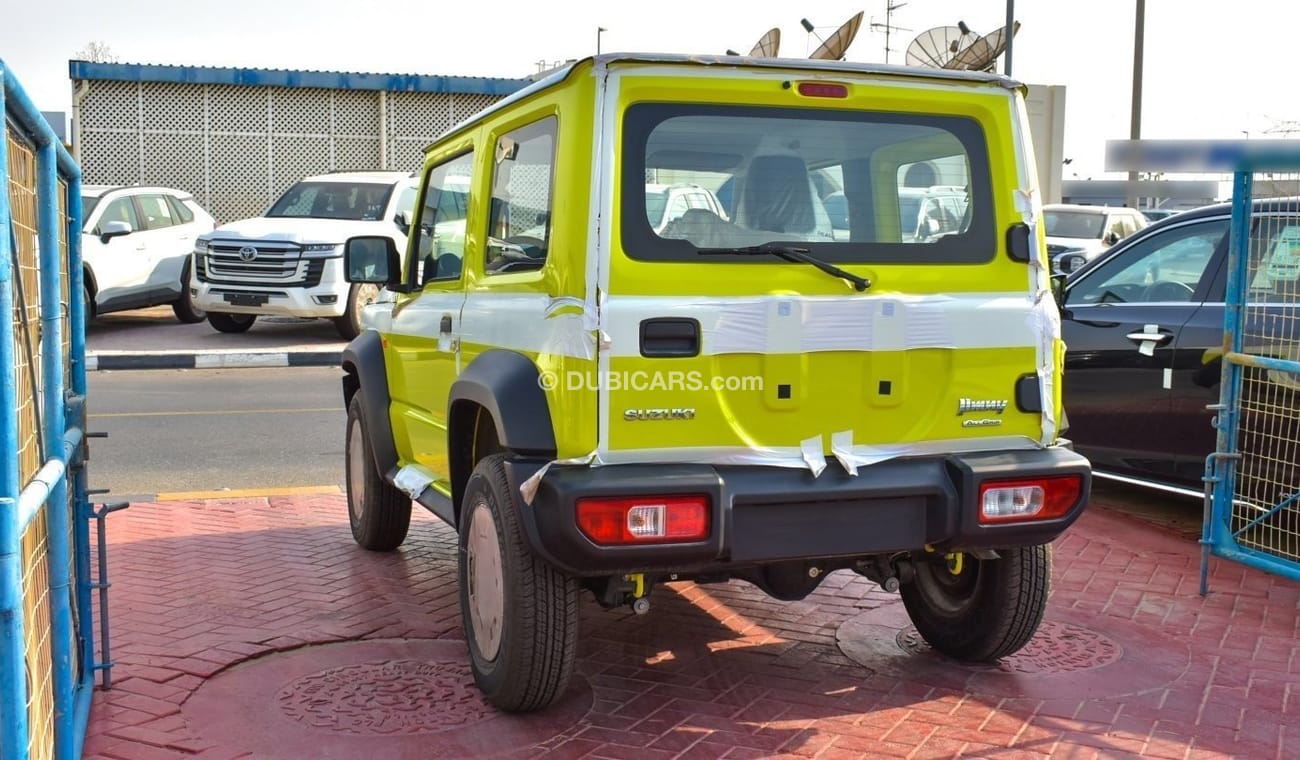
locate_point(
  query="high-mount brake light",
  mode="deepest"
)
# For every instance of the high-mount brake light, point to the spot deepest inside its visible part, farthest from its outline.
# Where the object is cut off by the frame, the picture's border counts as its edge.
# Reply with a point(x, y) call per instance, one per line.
point(823, 90)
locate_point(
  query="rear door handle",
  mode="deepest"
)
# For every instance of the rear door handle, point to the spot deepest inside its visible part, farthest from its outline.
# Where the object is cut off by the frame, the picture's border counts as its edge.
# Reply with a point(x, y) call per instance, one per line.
point(446, 324)
point(670, 337)
point(1154, 337)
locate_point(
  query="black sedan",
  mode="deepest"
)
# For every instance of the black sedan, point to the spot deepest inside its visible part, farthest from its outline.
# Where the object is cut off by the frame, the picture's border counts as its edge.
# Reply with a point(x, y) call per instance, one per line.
point(1144, 327)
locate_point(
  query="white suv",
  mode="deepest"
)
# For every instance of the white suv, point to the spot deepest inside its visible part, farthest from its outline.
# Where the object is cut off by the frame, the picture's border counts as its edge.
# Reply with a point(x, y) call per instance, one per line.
point(288, 262)
point(135, 248)
point(1077, 234)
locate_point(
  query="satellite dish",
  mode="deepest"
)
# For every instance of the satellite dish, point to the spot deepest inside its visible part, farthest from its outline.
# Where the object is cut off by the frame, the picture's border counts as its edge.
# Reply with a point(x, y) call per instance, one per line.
point(834, 47)
point(933, 48)
point(767, 45)
point(982, 54)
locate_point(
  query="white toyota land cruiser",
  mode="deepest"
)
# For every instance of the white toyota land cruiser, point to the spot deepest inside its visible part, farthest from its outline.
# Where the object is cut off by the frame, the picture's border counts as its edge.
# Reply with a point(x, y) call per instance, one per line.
point(288, 262)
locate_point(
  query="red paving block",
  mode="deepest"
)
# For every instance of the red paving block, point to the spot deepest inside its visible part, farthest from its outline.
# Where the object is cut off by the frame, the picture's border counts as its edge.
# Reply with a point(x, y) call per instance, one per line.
point(713, 671)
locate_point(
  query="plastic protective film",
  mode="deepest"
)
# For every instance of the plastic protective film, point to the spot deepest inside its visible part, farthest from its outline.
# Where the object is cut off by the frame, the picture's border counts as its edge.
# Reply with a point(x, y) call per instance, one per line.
point(1044, 318)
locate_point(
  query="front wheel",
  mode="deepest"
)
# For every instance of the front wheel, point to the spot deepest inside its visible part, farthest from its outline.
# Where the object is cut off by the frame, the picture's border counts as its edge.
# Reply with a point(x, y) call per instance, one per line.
point(360, 295)
point(979, 610)
point(184, 307)
point(519, 613)
point(378, 512)
point(231, 323)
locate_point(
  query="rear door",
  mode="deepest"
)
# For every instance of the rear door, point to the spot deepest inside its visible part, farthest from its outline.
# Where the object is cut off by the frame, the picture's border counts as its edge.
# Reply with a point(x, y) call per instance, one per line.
point(718, 350)
point(1123, 324)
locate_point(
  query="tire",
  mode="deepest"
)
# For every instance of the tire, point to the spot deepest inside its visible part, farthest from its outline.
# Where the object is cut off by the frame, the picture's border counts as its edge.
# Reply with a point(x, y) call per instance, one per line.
point(88, 303)
point(990, 609)
point(520, 615)
point(231, 323)
point(379, 513)
point(184, 307)
point(359, 296)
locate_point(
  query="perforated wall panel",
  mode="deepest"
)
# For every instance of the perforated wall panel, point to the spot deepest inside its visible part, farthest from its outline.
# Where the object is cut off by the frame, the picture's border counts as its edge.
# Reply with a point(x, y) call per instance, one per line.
point(236, 147)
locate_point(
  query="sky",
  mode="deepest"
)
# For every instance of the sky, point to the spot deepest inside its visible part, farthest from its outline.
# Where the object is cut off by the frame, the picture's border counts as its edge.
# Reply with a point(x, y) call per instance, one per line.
point(1209, 67)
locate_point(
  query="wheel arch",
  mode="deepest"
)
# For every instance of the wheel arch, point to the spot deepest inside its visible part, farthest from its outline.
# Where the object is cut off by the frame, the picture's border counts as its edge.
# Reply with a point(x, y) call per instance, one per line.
point(496, 405)
point(364, 372)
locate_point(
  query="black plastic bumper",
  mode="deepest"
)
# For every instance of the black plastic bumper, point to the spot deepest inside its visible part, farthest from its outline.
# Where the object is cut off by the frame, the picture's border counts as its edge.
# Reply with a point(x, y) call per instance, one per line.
point(771, 514)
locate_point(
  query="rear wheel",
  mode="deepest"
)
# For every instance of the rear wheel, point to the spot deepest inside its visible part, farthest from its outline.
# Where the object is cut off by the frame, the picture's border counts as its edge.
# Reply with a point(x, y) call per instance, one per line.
point(380, 514)
point(520, 614)
point(88, 303)
point(360, 295)
point(231, 323)
point(184, 307)
point(979, 609)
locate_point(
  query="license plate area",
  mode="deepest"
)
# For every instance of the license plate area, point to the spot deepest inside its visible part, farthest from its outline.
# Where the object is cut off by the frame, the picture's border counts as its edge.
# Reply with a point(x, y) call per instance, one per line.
point(246, 299)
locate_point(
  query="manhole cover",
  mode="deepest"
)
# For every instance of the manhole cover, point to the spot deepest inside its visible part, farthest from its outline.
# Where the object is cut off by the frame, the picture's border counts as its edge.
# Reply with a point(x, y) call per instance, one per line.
point(386, 698)
point(1056, 648)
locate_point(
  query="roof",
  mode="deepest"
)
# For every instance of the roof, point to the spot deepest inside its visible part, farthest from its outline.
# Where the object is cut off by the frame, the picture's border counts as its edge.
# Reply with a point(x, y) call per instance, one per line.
point(95, 191)
point(374, 176)
point(329, 80)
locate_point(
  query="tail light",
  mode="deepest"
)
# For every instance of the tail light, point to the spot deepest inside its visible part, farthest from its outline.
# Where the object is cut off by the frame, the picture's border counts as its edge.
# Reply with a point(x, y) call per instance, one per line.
point(644, 519)
point(1028, 499)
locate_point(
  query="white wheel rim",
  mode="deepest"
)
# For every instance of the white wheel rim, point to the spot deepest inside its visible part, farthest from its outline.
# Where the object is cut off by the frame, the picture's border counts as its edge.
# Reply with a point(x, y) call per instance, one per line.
point(356, 475)
point(486, 584)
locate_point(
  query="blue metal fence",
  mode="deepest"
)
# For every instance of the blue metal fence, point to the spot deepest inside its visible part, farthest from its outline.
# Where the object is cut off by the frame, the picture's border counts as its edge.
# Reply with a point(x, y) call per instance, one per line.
point(47, 658)
point(1253, 478)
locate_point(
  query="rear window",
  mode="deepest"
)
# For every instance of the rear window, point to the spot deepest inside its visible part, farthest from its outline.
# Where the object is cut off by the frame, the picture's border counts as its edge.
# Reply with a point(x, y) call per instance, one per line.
point(356, 201)
point(850, 186)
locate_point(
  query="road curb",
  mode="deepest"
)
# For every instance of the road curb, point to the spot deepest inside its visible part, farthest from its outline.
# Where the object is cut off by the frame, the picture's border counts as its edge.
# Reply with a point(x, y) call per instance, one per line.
point(212, 360)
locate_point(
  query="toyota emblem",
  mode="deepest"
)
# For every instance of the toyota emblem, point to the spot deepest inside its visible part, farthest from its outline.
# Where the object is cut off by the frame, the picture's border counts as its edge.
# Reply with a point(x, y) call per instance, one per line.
point(247, 253)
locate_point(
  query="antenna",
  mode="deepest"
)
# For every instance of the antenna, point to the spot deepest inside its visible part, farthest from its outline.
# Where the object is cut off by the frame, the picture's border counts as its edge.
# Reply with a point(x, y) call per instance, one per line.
point(933, 48)
point(982, 54)
point(768, 45)
point(888, 25)
point(834, 47)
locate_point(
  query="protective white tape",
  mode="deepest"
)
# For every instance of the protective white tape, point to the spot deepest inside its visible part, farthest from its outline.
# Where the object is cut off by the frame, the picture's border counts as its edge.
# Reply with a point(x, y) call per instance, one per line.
point(1045, 320)
point(528, 488)
point(842, 448)
point(812, 454)
point(411, 481)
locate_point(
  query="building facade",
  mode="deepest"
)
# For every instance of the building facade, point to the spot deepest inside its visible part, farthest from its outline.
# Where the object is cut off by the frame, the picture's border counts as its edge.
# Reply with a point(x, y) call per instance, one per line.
point(237, 138)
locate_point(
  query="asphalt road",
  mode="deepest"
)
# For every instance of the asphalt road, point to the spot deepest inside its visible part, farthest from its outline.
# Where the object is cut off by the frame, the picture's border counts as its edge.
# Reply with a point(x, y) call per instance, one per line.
point(215, 430)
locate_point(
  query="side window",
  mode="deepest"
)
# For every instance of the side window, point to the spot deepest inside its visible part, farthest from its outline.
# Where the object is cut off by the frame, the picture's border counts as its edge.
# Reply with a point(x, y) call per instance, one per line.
point(1163, 268)
point(119, 210)
point(157, 213)
point(440, 245)
point(519, 222)
point(180, 212)
point(1274, 267)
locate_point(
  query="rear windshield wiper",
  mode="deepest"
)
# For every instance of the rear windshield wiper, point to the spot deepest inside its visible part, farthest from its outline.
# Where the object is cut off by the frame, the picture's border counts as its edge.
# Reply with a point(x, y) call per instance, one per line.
point(790, 253)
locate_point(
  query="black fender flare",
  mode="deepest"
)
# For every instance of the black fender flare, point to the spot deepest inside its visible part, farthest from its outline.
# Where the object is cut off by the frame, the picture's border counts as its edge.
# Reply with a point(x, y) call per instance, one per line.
point(506, 384)
point(364, 373)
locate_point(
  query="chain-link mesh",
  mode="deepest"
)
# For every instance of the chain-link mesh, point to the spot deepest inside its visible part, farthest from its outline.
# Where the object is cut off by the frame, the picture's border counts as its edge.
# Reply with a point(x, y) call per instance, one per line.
point(1266, 504)
point(21, 187)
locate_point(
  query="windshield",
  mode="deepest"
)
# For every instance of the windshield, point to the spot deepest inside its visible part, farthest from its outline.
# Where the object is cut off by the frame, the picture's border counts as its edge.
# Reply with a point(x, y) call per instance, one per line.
point(1074, 224)
point(355, 201)
point(846, 185)
point(88, 203)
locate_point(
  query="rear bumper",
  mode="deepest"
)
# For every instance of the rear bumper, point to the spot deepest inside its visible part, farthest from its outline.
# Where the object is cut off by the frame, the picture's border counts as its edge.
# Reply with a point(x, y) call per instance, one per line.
point(762, 515)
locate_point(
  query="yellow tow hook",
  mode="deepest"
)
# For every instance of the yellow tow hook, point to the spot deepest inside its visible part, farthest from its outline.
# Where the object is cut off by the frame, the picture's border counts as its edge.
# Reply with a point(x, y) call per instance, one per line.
point(954, 562)
point(640, 604)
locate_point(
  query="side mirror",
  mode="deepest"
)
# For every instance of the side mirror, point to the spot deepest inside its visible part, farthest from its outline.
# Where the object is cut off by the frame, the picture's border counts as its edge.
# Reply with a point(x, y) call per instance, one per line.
point(372, 259)
point(114, 229)
point(1111, 238)
point(1058, 290)
point(403, 221)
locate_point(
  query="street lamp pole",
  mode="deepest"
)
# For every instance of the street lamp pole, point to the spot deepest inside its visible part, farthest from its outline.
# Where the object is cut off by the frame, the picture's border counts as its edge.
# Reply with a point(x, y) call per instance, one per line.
point(1011, 20)
point(1135, 125)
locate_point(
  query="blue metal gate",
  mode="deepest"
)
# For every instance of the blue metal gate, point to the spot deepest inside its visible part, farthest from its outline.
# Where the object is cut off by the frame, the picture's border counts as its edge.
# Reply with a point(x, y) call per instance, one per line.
point(47, 657)
point(1253, 478)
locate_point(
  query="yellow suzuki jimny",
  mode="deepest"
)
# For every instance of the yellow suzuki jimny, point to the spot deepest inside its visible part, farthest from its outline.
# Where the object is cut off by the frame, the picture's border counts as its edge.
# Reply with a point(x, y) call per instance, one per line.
point(680, 318)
